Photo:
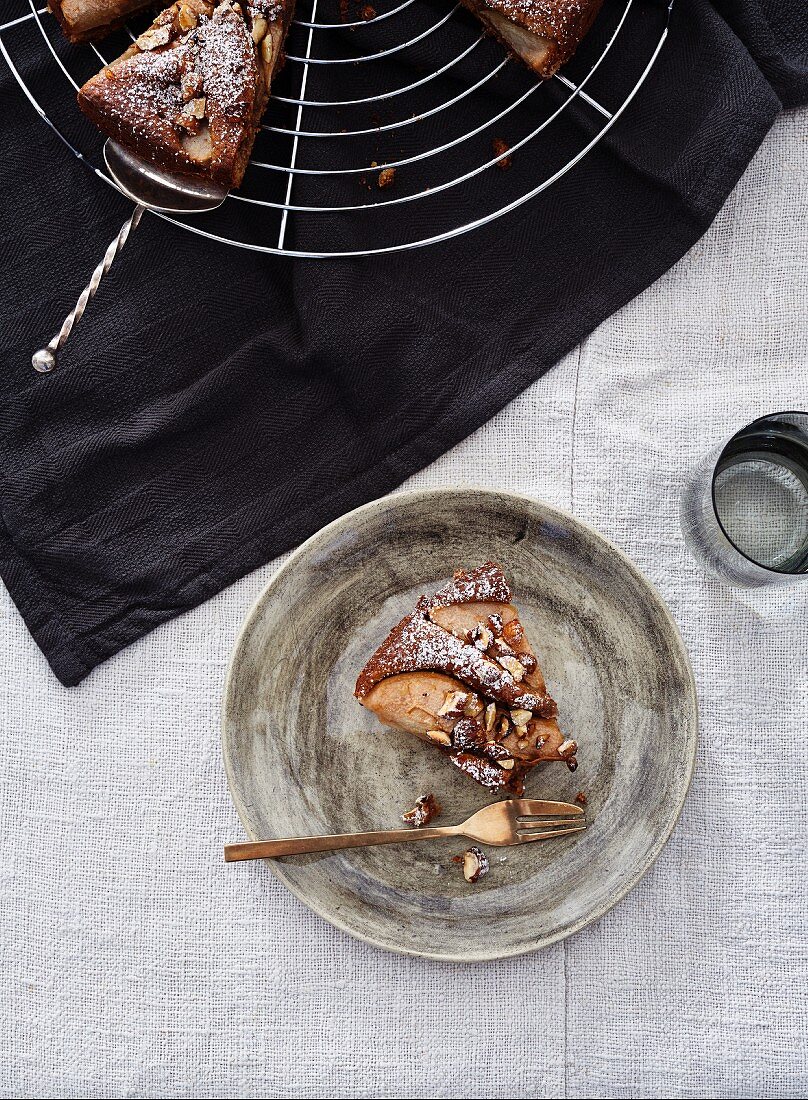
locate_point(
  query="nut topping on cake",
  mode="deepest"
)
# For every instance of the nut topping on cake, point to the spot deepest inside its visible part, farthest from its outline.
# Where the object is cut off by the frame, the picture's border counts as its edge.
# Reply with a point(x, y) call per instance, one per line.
point(513, 666)
point(216, 56)
point(512, 632)
point(490, 716)
point(453, 704)
point(459, 671)
point(155, 36)
point(521, 717)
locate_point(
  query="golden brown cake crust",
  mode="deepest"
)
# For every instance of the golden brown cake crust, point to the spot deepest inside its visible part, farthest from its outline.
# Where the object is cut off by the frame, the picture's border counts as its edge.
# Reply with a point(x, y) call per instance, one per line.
point(189, 93)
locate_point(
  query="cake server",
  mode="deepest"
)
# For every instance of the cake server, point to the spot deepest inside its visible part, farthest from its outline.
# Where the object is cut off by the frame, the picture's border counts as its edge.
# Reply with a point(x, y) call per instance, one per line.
point(150, 188)
point(517, 821)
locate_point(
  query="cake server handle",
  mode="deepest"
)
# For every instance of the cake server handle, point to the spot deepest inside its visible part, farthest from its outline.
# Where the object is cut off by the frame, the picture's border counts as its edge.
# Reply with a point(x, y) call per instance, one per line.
point(46, 359)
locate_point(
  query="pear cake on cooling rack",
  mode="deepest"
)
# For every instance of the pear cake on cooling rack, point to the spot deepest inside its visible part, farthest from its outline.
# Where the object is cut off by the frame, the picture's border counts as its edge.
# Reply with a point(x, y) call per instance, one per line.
point(459, 672)
point(189, 93)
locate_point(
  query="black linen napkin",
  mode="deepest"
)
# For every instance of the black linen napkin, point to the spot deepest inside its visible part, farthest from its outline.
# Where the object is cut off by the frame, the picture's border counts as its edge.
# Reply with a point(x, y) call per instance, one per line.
point(215, 406)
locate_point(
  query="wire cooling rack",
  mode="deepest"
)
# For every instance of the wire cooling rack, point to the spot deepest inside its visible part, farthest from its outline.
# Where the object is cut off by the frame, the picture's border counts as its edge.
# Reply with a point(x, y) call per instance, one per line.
point(416, 88)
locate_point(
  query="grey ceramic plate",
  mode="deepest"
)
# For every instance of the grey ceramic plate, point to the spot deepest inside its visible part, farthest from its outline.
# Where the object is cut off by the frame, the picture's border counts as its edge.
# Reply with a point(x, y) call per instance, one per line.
point(303, 757)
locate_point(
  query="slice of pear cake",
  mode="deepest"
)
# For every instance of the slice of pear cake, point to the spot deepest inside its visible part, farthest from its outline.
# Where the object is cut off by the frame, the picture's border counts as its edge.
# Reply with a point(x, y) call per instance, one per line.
point(460, 672)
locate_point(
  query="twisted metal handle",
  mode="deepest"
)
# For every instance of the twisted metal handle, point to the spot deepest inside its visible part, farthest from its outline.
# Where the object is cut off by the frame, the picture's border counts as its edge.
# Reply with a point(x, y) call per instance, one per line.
point(45, 360)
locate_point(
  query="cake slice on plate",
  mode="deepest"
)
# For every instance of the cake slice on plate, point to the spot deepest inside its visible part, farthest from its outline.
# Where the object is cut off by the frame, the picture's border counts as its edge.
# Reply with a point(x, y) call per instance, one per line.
point(83, 20)
point(189, 93)
point(459, 672)
point(544, 33)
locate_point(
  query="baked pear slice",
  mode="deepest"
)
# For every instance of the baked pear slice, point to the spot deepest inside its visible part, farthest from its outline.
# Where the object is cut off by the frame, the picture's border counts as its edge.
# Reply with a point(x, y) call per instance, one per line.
point(543, 33)
point(460, 672)
point(84, 20)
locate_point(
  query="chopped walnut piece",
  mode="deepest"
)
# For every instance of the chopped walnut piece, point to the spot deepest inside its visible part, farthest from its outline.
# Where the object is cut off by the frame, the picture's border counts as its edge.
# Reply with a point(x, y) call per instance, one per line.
point(187, 18)
point(500, 648)
point(154, 37)
point(475, 863)
point(196, 107)
point(507, 762)
point(453, 704)
point(521, 717)
point(503, 726)
point(440, 737)
point(494, 751)
point(502, 149)
point(512, 632)
point(424, 810)
point(259, 29)
point(512, 665)
point(190, 85)
point(473, 707)
point(386, 177)
point(490, 716)
point(581, 798)
point(482, 637)
point(567, 748)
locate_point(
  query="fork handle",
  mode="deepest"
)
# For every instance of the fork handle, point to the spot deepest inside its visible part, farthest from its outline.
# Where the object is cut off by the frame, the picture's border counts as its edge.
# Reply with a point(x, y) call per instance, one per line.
point(293, 846)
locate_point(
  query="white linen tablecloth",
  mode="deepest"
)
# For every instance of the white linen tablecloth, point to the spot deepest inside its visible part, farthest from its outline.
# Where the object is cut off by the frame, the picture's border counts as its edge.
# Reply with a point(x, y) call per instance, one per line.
point(135, 963)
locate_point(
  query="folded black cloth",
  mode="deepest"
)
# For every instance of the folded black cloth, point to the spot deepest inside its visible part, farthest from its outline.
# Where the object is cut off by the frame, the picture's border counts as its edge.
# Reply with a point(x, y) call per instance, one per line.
point(216, 406)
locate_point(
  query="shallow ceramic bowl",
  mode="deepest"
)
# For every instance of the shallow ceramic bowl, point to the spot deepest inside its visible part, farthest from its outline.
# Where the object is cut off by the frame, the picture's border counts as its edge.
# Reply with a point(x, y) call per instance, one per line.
point(302, 756)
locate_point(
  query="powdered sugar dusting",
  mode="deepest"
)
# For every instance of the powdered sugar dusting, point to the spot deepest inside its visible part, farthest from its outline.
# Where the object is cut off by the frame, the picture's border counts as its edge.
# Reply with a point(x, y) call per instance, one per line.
point(146, 87)
point(419, 645)
point(486, 583)
point(226, 60)
point(271, 10)
point(559, 20)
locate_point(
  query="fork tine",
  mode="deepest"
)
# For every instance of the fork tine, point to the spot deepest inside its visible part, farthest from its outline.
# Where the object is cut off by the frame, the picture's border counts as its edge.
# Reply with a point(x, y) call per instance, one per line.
point(528, 838)
point(530, 824)
point(533, 807)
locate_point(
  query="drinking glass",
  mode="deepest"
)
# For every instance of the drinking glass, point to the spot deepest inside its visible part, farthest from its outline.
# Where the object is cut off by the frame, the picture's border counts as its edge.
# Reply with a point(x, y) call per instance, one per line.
point(744, 508)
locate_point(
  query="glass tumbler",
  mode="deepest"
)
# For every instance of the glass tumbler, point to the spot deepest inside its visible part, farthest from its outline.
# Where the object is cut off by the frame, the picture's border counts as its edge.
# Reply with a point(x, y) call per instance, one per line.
point(744, 508)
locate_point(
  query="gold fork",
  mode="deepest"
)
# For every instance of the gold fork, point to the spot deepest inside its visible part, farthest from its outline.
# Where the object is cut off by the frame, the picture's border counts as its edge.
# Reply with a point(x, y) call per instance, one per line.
point(517, 821)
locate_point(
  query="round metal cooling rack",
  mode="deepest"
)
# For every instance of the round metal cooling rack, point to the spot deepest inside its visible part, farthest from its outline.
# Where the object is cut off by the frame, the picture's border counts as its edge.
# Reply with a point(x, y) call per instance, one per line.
point(386, 130)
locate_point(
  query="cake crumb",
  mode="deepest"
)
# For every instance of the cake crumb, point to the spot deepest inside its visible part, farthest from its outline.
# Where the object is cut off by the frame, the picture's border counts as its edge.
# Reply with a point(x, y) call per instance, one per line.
point(425, 809)
point(581, 798)
point(502, 150)
point(386, 177)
